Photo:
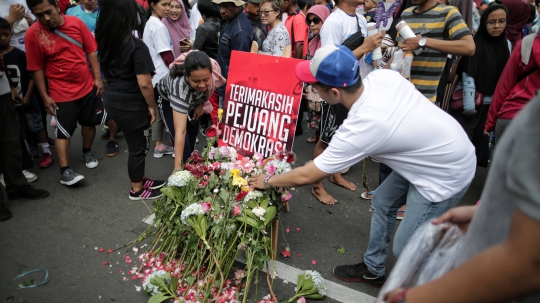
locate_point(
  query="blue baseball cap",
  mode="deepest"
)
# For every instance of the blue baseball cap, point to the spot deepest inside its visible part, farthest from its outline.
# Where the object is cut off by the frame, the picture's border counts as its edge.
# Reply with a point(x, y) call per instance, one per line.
point(333, 65)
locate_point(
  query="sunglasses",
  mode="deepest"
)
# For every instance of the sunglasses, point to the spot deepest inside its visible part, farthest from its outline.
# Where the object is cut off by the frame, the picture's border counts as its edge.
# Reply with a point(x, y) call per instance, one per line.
point(315, 20)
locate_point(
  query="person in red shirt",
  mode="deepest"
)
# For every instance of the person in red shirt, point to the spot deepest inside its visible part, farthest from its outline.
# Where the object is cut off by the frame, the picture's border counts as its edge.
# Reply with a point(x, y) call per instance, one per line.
point(297, 28)
point(517, 85)
point(57, 48)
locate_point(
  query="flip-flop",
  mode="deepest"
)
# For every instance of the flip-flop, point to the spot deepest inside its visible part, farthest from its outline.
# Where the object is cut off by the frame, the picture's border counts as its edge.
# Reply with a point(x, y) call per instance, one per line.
point(400, 215)
point(366, 195)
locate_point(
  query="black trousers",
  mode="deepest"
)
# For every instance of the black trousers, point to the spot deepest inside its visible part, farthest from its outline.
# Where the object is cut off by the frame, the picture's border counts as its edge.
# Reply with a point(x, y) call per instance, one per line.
point(136, 128)
point(10, 146)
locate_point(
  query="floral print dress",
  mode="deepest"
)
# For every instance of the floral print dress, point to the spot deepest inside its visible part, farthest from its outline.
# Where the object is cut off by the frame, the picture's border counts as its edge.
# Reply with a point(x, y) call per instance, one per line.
point(276, 41)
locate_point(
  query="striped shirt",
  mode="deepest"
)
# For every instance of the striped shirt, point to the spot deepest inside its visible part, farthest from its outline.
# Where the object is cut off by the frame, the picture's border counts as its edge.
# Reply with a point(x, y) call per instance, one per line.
point(440, 22)
point(180, 94)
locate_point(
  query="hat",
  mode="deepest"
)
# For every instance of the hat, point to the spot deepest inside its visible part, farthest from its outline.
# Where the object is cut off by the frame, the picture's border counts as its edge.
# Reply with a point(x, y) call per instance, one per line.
point(333, 65)
point(484, 2)
point(236, 2)
point(255, 1)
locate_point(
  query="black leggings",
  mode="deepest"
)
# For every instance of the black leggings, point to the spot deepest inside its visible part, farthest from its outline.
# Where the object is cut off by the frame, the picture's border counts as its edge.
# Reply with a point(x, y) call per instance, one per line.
point(136, 128)
point(192, 128)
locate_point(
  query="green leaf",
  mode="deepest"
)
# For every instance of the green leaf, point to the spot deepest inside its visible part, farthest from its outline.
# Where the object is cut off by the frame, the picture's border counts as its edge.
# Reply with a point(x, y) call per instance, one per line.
point(270, 214)
point(300, 282)
point(159, 282)
point(158, 298)
point(250, 213)
point(173, 286)
point(264, 202)
point(252, 204)
point(224, 195)
point(190, 280)
point(316, 296)
point(247, 220)
point(341, 250)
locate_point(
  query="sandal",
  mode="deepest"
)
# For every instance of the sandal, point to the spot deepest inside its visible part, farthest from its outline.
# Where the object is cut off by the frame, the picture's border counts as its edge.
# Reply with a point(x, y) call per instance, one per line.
point(312, 140)
point(366, 195)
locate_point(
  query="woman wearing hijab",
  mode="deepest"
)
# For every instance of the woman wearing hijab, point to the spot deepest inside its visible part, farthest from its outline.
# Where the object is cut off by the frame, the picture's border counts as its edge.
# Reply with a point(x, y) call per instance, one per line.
point(481, 72)
point(315, 18)
point(178, 26)
point(518, 15)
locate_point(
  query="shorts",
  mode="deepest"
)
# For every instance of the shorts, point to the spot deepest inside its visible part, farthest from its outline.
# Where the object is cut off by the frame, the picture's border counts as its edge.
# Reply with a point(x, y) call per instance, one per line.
point(332, 116)
point(88, 111)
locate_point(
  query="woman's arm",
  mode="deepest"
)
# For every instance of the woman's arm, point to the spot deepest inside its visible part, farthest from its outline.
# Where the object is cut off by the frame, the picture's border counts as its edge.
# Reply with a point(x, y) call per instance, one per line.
point(180, 123)
point(145, 84)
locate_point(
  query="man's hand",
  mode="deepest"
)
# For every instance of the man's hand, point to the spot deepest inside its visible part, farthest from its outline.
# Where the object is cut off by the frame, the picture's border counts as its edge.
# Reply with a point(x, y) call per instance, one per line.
point(152, 113)
point(26, 100)
point(411, 44)
point(257, 182)
point(98, 83)
point(16, 12)
point(185, 45)
point(28, 19)
point(49, 105)
point(461, 216)
point(198, 111)
point(390, 297)
point(372, 42)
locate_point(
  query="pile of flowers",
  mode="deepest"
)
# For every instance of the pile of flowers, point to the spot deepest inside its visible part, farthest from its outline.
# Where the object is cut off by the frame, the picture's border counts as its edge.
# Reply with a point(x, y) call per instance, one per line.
point(206, 217)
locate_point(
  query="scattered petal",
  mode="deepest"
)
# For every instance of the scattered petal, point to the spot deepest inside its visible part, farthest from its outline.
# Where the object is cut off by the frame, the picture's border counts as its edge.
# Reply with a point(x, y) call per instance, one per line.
point(298, 255)
point(102, 249)
point(128, 260)
point(286, 252)
point(110, 251)
point(137, 288)
point(287, 229)
point(134, 278)
point(298, 229)
point(135, 249)
point(99, 298)
point(285, 281)
point(313, 262)
point(125, 279)
point(96, 248)
point(106, 263)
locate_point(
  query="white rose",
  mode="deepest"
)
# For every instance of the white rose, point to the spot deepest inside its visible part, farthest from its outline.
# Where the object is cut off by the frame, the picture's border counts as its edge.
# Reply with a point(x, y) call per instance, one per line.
point(259, 212)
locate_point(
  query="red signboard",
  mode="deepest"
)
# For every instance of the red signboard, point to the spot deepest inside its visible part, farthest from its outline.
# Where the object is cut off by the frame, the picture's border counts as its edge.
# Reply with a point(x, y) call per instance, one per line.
point(261, 104)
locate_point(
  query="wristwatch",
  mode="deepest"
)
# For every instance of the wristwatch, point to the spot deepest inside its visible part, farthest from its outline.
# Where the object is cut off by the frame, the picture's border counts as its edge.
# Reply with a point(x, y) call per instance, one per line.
point(266, 181)
point(422, 42)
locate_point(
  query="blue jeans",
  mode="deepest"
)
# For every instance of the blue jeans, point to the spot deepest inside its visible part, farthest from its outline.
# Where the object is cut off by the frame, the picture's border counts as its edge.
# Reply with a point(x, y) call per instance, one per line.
point(393, 193)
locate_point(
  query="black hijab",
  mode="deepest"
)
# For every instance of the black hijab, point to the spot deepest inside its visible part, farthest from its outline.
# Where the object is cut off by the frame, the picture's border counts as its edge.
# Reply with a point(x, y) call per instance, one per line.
point(492, 53)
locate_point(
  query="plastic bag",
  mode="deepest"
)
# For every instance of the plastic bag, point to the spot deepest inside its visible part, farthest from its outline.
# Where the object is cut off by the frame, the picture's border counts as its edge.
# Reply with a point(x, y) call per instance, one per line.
point(430, 254)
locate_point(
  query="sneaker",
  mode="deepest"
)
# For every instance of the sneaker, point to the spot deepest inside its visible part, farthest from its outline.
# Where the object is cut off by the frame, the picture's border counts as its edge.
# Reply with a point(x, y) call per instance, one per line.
point(30, 177)
point(46, 160)
point(69, 177)
point(145, 193)
point(153, 184)
point(358, 273)
point(51, 141)
point(112, 148)
point(28, 192)
point(91, 161)
point(106, 135)
point(5, 214)
point(163, 149)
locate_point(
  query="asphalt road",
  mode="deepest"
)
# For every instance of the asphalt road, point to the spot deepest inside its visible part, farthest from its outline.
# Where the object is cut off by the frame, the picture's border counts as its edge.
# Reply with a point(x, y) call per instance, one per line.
point(61, 233)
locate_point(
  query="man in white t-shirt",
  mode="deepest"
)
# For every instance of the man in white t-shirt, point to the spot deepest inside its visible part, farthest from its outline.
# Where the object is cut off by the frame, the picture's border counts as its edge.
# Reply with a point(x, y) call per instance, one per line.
point(340, 25)
point(433, 160)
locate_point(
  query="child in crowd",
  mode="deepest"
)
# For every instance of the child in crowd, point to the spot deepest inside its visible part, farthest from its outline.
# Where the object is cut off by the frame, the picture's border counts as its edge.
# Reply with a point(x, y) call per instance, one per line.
point(28, 110)
point(370, 7)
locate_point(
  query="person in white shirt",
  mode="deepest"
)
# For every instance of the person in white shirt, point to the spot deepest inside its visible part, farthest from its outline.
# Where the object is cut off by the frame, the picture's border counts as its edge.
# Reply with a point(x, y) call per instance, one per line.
point(340, 25)
point(433, 160)
point(19, 17)
point(157, 38)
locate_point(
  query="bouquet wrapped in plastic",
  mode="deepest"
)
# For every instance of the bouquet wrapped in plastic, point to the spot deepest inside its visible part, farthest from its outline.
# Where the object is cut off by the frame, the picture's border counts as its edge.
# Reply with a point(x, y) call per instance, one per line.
point(430, 254)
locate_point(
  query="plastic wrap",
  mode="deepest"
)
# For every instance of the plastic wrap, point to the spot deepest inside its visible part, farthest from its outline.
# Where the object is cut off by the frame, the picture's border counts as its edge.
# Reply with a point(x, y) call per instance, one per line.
point(430, 253)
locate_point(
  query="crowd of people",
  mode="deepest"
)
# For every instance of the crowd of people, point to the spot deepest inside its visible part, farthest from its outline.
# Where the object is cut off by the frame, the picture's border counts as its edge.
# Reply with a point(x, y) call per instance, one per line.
point(156, 70)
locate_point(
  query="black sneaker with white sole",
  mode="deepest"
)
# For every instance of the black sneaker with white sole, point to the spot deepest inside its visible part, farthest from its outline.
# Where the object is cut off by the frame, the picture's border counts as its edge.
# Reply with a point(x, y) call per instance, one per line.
point(145, 194)
point(69, 177)
point(153, 184)
point(358, 273)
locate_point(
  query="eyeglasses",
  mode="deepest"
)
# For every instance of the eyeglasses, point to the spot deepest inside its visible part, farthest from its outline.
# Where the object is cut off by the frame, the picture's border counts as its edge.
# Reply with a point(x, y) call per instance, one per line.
point(493, 22)
point(266, 13)
point(315, 20)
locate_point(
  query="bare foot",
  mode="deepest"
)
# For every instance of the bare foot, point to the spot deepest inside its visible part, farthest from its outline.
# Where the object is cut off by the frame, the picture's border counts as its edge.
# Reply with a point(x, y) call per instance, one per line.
point(339, 180)
point(323, 196)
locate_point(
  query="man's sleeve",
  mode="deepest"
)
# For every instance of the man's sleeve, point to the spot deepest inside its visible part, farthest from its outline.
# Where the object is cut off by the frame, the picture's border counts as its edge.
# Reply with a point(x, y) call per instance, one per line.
point(330, 33)
point(89, 42)
point(456, 26)
point(200, 38)
point(300, 30)
point(523, 164)
point(338, 156)
point(34, 56)
point(241, 41)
